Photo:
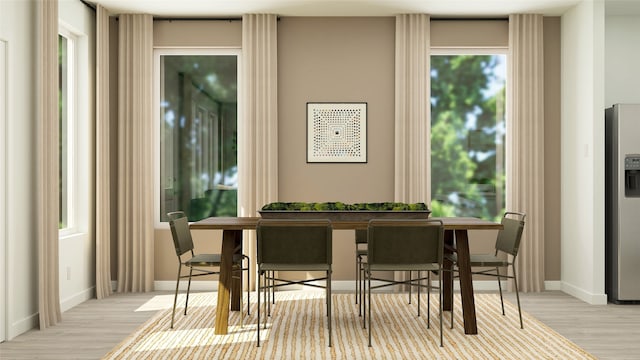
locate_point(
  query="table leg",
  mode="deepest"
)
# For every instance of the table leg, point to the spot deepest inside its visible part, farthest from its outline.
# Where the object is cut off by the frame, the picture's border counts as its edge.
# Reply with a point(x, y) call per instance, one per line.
point(229, 239)
point(236, 281)
point(447, 276)
point(466, 283)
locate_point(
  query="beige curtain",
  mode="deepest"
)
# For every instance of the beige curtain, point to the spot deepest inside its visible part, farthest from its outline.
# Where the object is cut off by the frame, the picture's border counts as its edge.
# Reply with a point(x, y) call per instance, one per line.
point(412, 116)
point(258, 150)
point(135, 154)
point(47, 209)
point(412, 122)
point(103, 151)
point(525, 144)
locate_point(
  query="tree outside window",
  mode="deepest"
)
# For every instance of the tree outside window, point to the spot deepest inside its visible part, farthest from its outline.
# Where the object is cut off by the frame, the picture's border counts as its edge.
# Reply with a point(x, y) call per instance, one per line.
point(468, 135)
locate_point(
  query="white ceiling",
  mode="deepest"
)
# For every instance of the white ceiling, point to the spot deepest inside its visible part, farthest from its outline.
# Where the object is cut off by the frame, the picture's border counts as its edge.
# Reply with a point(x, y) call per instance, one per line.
point(442, 8)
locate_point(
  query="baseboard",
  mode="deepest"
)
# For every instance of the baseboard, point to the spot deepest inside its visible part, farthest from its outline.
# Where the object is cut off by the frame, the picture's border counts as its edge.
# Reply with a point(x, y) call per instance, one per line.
point(170, 285)
point(22, 326)
point(77, 299)
point(553, 285)
point(589, 298)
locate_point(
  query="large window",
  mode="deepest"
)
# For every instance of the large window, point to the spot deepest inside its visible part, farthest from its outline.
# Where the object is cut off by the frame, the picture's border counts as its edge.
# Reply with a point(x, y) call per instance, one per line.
point(468, 134)
point(198, 114)
point(66, 122)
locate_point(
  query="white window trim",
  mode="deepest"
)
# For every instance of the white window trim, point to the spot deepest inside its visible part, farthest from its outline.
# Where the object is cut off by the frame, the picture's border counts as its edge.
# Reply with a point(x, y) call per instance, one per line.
point(3, 190)
point(443, 50)
point(157, 53)
point(498, 50)
point(72, 111)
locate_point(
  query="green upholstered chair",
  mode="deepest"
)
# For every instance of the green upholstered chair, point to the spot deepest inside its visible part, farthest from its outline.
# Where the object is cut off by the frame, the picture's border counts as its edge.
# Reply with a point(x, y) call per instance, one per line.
point(203, 264)
point(508, 243)
point(293, 245)
point(404, 245)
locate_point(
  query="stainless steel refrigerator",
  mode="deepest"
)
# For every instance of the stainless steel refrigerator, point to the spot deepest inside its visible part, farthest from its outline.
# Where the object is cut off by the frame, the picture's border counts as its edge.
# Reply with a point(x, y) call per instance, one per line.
point(622, 201)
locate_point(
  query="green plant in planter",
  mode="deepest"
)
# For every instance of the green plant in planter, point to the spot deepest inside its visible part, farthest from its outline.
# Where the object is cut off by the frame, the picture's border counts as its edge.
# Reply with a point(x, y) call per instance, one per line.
point(339, 206)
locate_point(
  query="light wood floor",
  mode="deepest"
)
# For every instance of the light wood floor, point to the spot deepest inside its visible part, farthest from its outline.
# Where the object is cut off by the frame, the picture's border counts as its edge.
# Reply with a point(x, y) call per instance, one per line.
point(93, 328)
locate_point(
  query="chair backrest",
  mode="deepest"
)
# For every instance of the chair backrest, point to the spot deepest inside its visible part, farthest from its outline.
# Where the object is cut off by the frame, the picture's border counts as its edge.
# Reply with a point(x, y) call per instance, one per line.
point(509, 237)
point(180, 232)
point(395, 241)
point(287, 241)
point(361, 236)
point(175, 215)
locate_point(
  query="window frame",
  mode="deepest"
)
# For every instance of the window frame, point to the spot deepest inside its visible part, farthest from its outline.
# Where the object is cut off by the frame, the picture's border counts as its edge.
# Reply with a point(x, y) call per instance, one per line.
point(473, 50)
point(158, 52)
point(72, 172)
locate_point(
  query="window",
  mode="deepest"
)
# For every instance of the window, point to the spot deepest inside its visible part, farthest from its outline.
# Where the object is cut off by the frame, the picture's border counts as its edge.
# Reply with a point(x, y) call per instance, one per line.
point(66, 123)
point(468, 133)
point(198, 115)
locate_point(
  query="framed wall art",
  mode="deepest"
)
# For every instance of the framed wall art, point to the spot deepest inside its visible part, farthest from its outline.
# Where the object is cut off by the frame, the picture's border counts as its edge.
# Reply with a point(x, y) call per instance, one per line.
point(337, 132)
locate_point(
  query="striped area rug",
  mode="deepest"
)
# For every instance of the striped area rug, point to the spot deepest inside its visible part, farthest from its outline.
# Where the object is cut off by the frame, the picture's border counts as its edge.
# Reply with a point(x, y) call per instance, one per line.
point(297, 330)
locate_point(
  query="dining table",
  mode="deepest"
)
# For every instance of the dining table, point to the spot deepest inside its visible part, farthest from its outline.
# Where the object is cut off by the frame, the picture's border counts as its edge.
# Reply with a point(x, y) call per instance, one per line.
point(456, 239)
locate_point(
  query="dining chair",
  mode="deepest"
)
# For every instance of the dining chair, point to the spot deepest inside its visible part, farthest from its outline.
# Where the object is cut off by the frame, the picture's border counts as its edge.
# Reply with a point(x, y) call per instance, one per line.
point(507, 242)
point(293, 245)
point(361, 256)
point(404, 245)
point(187, 257)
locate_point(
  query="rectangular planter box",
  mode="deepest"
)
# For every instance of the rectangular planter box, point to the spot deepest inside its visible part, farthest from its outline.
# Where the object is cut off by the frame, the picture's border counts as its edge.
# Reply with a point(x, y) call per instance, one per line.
point(351, 215)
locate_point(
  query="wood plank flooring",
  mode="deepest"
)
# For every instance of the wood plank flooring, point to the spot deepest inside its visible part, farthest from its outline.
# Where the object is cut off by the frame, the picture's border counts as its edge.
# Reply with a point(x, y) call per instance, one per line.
point(93, 328)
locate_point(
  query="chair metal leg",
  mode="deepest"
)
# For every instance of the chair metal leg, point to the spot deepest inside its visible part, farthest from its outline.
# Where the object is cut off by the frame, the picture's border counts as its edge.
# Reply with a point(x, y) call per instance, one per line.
point(175, 297)
point(410, 286)
point(428, 299)
point(363, 300)
point(248, 286)
point(270, 289)
point(500, 288)
point(273, 290)
point(369, 300)
point(440, 306)
point(329, 303)
point(186, 302)
point(515, 282)
point(258, 324)
point(361, 285)
point(419, 283)
point(357, 273)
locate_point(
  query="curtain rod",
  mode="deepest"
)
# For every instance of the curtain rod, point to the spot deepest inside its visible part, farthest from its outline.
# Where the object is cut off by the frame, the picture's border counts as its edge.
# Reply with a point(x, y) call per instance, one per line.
point(470, 19)
point(160, 18)
point(89, 5)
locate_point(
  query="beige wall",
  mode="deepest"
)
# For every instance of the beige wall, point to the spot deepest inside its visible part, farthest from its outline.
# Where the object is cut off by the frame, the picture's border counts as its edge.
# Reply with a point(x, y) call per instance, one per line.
point(336, 59)
point(552, 219)
point(345, 59)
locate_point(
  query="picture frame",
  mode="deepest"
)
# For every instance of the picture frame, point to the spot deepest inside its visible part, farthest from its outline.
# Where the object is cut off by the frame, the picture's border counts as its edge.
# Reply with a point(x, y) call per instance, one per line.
point(336, 132)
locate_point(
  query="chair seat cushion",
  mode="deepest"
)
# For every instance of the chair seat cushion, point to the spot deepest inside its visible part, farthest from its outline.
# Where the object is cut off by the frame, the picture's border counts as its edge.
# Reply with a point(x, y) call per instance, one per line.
point(402, 267)
point(481, 260)
point(210, 260)
point(294, 267)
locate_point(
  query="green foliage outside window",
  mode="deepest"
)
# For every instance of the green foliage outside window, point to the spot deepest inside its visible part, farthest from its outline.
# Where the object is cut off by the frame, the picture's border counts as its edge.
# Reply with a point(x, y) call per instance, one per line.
point(467, 135)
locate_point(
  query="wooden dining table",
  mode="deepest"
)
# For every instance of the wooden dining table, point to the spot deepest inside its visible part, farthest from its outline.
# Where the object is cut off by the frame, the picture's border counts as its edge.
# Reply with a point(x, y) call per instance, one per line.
point(456, 228)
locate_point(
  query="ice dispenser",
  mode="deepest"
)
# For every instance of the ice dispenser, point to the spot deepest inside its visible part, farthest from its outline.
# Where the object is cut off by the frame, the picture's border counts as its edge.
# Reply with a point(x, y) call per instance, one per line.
point(632, 175)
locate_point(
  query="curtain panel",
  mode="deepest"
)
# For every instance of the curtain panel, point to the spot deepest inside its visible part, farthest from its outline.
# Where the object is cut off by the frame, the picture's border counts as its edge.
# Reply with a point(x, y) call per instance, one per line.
point(258, 138)
point(48, 164)
point(135, 154)
point(525, 143)
point(103, 157)
point(412, 117)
